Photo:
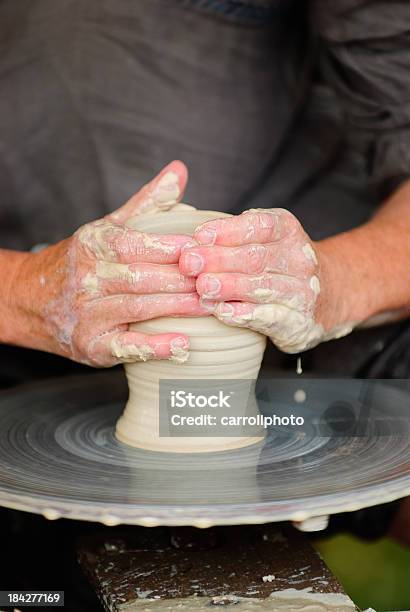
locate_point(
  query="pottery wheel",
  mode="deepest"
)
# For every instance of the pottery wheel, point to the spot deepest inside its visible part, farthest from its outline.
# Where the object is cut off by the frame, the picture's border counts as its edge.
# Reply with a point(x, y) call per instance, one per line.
point(59, 457)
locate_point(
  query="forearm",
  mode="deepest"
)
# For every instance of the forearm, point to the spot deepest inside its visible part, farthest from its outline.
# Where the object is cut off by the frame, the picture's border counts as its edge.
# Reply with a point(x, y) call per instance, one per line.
point(368, 268)
point(31, 285)
point(28, 282)
point(12, 329)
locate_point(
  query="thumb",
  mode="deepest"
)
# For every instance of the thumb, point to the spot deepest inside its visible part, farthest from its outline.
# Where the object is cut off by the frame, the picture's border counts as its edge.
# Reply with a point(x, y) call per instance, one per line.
point(162, 193)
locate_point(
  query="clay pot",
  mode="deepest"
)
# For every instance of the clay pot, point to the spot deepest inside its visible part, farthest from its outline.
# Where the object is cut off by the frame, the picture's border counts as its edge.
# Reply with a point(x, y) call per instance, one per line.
point(217, 352)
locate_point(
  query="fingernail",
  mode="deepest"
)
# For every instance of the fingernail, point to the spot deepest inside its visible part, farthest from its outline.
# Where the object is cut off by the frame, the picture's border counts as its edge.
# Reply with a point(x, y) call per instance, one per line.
point(179, 342)
point(206, 236)
point(179, 350)
point(167, 189)
point(208, 305)
point(212, 286)
point(189, 245)
point(225, 310)
point(193, 263)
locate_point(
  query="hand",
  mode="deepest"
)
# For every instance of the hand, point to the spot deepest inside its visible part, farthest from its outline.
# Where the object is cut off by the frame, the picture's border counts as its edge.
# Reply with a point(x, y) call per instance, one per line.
point(261, 270)
point(78, 297)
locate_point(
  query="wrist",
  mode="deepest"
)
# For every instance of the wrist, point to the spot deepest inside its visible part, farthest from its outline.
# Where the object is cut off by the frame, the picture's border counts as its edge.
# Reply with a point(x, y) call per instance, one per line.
point(349, 272)
point(362, 274)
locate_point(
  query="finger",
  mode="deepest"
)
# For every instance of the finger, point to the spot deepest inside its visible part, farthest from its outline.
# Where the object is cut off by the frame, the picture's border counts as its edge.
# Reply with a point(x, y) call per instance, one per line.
point(162, 193)
point(130, 346)
point(253, 226)
point(262, 289)
point(277, 258)
point(118, 309)
point(285, 326)
point(115, 243)
point(115, 278)
point(249, 258)
point(239, 314)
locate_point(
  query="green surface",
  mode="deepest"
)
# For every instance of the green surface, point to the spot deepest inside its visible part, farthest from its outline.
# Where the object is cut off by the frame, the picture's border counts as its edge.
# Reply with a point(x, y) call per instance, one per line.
point(375, 574)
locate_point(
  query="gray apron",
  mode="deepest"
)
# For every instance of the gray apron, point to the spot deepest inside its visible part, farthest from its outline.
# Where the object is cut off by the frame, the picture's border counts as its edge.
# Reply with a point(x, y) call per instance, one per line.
point(98, 95)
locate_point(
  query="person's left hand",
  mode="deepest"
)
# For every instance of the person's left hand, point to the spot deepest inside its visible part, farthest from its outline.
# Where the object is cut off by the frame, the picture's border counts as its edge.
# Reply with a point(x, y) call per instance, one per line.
point(261, 270)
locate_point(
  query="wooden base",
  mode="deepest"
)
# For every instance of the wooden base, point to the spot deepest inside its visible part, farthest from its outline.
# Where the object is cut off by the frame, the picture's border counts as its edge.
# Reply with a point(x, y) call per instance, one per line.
point(267, 567)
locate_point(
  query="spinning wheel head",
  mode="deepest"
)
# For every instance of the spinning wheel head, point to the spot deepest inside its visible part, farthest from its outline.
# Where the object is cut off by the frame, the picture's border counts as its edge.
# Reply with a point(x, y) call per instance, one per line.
point(59, 457)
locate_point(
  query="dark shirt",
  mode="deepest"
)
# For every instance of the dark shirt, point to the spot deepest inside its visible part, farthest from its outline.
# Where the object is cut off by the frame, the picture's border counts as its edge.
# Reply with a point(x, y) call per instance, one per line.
point(270, 103)
point(97, 95)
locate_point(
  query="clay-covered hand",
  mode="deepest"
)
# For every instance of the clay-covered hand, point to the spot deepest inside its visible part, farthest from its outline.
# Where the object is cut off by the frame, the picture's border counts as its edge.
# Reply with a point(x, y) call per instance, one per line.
point(261, 270)
point(78, 297)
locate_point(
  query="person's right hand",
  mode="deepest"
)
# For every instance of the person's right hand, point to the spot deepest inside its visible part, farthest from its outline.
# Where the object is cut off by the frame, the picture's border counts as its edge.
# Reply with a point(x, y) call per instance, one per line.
point(78, 297)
